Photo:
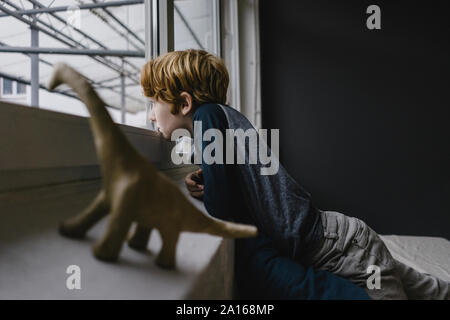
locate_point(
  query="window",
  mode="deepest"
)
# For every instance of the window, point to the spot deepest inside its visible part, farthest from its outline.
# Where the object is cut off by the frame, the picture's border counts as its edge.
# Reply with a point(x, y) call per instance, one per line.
point(21, 88)
point(117, 30)
point(196, 25)
point(7, 86)
point(120, 31)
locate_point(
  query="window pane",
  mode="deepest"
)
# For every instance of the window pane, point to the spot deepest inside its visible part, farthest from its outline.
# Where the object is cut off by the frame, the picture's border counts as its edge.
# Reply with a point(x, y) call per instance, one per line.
point(7, 86)
point(194, 25)
point(117, 28)
point(21, 88)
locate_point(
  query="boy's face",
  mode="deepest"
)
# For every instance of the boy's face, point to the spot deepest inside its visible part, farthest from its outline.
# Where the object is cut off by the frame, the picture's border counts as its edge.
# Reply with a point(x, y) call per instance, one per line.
point(166, 122)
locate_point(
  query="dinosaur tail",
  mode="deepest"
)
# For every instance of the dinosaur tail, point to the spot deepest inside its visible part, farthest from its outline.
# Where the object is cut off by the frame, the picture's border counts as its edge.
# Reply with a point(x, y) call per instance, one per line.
point(228, 229)
point(197, 220)
point(202, 222)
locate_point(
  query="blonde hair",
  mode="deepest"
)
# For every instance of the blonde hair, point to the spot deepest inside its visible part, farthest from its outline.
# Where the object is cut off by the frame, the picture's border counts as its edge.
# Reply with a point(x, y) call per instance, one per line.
point(203, 75)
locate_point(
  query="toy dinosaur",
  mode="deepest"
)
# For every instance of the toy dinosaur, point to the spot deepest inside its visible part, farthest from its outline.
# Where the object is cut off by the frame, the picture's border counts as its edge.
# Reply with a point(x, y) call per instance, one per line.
point(133, 190)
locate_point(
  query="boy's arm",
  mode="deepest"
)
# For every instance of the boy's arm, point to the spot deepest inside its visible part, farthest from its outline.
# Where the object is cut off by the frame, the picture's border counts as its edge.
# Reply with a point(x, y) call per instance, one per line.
point(220, 185)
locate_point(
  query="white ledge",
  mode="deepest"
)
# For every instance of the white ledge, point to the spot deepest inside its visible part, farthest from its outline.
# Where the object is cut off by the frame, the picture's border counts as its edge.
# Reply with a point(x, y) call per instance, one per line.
point(34, 257)
point(42, 147)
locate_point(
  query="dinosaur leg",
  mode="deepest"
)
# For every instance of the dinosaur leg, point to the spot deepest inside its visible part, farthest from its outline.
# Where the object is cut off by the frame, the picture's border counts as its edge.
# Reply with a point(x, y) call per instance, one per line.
point(166, 257)
point(76, 227)
point(140, 237)
point(108, 248)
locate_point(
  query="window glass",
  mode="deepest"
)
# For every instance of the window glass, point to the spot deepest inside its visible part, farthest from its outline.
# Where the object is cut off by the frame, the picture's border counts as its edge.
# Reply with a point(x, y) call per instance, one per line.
point(7, 86)
point(21, 88)
point(110, 28)
point(195, 25)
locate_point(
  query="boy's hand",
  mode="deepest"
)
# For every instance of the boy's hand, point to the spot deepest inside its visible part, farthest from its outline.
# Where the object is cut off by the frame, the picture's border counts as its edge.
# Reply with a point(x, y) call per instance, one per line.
point(194, 183)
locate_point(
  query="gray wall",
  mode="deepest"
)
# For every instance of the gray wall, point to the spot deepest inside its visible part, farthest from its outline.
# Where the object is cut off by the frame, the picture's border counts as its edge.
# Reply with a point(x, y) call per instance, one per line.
point(363, 115)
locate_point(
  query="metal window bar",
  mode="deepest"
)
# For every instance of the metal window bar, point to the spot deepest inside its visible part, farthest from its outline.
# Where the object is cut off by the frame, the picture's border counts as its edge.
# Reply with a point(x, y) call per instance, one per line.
point(81, 6)
point(84, 52)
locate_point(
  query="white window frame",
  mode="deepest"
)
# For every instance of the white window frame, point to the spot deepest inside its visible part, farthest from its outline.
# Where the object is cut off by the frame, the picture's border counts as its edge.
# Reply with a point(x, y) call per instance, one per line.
point(249, 61)
point(240, 48)
point(230, 50)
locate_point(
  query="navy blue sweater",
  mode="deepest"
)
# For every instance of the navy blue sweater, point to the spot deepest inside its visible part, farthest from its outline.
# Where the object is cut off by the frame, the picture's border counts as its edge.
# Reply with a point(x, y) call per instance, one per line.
point(265, 267)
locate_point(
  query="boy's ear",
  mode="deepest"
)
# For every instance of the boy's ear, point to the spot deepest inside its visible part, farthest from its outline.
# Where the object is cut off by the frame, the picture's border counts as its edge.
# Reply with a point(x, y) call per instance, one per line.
point(186, 105)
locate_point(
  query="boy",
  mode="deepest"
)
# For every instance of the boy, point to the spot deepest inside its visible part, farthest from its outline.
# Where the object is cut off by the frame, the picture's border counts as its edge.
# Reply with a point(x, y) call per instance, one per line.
point(188, 86)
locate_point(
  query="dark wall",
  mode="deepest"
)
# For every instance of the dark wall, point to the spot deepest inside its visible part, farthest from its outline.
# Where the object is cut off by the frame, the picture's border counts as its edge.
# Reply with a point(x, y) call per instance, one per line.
point(363, 115)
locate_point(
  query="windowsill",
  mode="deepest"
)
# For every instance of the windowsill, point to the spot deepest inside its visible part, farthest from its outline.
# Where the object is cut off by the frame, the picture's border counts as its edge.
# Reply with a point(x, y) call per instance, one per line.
point(35, 257)
point(49, 171)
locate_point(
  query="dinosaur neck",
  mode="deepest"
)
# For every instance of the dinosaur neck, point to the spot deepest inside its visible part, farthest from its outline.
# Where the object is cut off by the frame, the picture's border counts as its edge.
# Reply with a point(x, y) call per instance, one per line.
point(110, 142)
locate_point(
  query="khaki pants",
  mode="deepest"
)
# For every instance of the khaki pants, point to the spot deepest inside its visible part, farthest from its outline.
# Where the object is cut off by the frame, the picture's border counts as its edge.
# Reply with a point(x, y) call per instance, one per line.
point(349, 247)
